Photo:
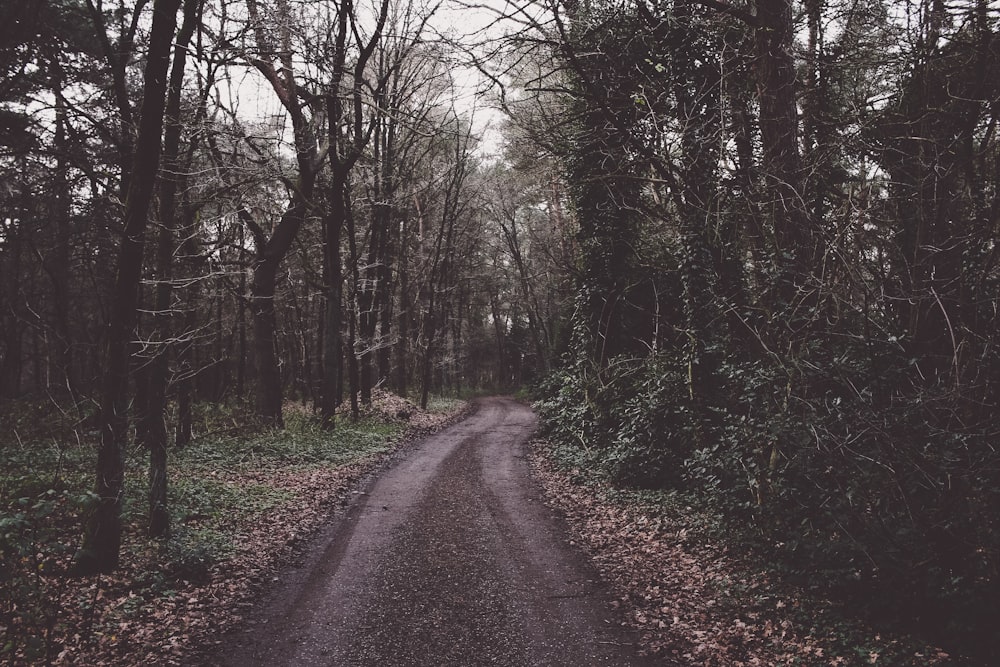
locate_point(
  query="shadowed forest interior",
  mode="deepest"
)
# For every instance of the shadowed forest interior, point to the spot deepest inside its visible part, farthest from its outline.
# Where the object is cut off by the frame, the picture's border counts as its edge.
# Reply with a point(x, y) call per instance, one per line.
point(740, 253)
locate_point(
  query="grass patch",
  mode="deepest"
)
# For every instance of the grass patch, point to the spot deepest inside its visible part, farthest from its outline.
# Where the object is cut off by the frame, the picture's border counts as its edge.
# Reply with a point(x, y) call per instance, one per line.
point(209, 501)
point(301, 444)
point(439, 404)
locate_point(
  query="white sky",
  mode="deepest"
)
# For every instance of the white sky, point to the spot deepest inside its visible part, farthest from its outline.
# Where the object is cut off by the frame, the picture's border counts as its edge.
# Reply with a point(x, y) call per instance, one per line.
point(251, 97)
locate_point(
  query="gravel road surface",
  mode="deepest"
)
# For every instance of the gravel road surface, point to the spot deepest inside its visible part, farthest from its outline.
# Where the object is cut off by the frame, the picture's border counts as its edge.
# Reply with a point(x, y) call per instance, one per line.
point(449, 557)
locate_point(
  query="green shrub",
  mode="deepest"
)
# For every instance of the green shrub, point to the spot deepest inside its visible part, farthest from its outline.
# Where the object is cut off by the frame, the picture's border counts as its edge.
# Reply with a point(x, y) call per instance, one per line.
point(838, 464)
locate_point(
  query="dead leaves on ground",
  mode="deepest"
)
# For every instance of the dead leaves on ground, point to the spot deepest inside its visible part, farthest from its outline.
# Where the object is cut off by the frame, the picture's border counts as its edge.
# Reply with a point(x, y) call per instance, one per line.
point(132, 617)
point(675, 590)
point(137, 617)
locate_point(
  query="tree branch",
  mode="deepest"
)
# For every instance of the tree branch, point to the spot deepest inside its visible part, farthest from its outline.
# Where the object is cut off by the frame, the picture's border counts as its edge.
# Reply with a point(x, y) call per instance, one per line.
point(730, 10)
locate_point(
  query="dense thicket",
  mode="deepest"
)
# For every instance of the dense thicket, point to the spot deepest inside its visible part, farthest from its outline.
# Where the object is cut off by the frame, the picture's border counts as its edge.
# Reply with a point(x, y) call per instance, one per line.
point(786, 279)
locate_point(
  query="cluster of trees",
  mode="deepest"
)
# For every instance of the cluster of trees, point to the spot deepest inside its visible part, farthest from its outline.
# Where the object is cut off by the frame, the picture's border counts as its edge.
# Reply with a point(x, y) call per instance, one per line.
point(755, 245)
point(786, 277)
point(249, 200)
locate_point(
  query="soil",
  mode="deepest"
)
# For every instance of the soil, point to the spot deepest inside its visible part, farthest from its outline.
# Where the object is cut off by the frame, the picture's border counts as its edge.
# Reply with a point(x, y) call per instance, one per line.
point(450, 557)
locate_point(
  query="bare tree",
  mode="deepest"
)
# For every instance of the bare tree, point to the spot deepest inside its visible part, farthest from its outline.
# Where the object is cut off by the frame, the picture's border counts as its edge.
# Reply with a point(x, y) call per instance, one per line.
point(274, 59)
point(102, 536)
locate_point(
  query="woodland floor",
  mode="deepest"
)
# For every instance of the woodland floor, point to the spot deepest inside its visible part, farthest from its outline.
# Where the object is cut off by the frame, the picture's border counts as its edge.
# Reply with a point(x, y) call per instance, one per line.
point(245, 505)
point(467, 547)
point(694, 599)
point(450, 558)
point(476, 549)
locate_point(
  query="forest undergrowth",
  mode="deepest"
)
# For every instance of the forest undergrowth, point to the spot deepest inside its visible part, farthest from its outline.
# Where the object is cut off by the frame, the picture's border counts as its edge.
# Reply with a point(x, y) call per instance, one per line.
point(684, 580)
point(241, 500)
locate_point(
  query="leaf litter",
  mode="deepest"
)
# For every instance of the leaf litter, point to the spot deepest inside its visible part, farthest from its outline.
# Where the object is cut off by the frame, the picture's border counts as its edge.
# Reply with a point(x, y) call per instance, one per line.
point(693, 601)
point(143, 613)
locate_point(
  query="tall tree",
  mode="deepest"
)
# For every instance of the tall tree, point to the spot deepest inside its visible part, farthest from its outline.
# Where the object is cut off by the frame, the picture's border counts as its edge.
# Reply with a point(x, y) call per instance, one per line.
point(275, 61)
point(102, 535)
point(343, 154)
point(441, 254)
point(154, 426)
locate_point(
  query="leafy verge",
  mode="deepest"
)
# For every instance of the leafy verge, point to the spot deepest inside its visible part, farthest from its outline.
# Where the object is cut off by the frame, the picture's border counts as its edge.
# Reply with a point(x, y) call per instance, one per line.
point(239, 502)
point(687, 587)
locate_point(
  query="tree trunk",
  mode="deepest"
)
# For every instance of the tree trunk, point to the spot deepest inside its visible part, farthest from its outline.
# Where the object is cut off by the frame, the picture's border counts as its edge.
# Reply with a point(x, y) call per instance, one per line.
point(186, 362)
point(426, 363)
point(365, 289)
point(159, 367)
point(353, 375)
point(241, 324)
point(102, 534)
point(378, 272)
point(383, 303)
point(265, 324)
point(795, 252)
point(386, 252)
point(271, 251)
point(696, 90)
point(11, 367)
point(60, 270)
point(403, 340)
point(333, 223)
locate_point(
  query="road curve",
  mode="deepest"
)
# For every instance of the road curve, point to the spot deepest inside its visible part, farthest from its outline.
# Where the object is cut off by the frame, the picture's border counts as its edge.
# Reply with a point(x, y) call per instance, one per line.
point(450, 558)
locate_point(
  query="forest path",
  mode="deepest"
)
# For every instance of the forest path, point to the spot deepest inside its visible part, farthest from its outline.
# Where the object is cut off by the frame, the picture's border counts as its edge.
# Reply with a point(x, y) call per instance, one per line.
point(450, 558)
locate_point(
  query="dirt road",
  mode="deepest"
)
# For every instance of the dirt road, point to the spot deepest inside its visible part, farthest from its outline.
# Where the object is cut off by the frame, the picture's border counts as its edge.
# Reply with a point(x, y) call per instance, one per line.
point(449, 558)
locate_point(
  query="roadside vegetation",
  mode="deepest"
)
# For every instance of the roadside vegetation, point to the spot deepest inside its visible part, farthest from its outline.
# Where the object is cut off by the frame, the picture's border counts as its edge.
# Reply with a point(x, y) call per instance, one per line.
point(701, 590)
point(240, 499)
